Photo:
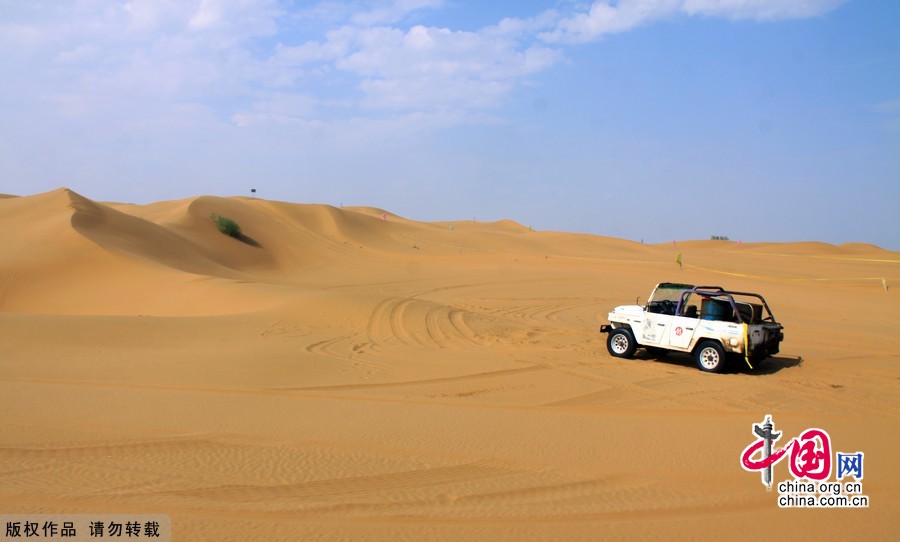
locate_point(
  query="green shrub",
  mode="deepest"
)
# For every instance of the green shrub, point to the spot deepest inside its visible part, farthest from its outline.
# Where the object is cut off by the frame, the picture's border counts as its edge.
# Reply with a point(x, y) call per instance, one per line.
point(226, 225)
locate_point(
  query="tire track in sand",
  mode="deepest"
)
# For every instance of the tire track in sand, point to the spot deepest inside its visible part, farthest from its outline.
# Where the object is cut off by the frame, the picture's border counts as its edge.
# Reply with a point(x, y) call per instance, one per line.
point(374, 484)
point(327, 347)
point(441, 380)
point(416, 322)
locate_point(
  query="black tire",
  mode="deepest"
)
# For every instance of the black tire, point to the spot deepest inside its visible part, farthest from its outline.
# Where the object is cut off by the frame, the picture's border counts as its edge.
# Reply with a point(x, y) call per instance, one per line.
point(620, 343)
point(758, 361)
point(710, 357)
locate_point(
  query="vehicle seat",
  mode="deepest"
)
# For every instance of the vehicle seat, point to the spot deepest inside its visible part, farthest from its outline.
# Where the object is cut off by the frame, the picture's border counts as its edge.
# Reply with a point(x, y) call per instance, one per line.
point(690, 311)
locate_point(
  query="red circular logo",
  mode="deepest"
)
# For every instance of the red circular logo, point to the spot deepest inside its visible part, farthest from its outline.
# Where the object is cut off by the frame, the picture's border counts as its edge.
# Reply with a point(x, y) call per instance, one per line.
point(678, 331)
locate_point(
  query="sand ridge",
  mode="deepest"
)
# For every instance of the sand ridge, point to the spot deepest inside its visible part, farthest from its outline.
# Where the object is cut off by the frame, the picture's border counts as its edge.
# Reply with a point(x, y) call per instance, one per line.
point(346, 373)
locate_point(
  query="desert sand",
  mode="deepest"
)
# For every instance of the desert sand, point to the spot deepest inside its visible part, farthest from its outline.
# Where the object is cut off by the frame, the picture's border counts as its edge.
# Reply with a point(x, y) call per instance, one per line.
point(345, 373)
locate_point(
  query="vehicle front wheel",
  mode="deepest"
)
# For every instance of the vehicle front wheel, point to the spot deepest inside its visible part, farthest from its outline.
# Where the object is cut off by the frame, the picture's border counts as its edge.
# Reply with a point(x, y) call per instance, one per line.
point(710, 357)
point(620, 343)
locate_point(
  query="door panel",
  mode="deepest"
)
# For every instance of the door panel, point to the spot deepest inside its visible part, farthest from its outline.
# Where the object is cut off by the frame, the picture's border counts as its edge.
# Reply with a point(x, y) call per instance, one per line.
point(682, 331)
point(653, 331)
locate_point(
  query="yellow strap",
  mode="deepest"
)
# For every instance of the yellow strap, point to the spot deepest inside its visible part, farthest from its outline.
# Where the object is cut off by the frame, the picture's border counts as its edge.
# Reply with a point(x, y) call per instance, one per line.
point(747, 346)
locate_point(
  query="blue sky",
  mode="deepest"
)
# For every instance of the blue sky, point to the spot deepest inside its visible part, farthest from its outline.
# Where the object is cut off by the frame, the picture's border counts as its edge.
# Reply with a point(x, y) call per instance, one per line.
point(761, 120)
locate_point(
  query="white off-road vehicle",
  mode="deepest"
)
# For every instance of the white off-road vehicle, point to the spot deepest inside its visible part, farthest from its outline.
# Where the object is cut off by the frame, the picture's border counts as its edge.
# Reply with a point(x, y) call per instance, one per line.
point(707, 321)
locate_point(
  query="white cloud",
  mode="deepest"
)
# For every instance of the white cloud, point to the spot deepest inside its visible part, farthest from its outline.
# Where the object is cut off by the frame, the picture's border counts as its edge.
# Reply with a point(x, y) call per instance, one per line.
point(148, 16)
point(278, 107)
point(80, 53)
point(93, 53)
point(392, 11)
point(512, 27)
point(231, 21)
point(605, 17)
point(245, 60)
point(760, 10)
point(435, 68)
point(208, 14)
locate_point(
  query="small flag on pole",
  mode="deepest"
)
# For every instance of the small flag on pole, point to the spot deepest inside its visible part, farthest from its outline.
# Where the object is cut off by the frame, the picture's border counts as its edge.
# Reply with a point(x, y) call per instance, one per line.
point(678, 261)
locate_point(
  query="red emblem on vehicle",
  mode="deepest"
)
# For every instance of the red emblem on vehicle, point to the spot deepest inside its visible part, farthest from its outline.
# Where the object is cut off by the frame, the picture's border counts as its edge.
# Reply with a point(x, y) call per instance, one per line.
point(678, 331)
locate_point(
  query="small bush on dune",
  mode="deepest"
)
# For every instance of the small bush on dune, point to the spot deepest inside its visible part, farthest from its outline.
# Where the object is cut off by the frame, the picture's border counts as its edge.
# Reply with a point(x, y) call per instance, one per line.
point(226, 225)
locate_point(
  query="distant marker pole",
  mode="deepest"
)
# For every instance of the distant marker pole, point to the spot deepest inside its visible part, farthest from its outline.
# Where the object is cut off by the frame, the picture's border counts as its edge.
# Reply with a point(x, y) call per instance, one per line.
point(678, 261)
point(884, 285)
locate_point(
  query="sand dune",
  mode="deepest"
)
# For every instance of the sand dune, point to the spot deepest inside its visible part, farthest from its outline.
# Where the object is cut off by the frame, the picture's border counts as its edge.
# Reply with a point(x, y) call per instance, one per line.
point(346, 373)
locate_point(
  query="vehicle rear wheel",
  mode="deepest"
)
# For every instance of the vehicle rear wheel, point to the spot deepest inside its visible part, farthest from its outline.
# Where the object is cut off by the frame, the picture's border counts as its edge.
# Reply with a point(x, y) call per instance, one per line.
point(757, 362)
point(620, 343)
point(710, 357)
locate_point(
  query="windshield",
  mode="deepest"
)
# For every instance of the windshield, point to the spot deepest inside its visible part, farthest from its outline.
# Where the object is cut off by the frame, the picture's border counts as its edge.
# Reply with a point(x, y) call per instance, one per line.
point(669, 292)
